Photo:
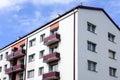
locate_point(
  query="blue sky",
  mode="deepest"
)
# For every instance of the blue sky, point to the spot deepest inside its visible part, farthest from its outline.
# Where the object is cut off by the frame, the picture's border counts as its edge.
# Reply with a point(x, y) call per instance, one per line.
point(19, 17)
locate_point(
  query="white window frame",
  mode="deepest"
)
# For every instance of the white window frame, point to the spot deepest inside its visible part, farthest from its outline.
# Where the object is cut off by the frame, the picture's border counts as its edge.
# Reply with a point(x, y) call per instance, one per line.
point(31, 73)
point(91, 27)
point(31, 58)
point(91, 46)
point(41, 71)
point(92, 65)
point(32, 42)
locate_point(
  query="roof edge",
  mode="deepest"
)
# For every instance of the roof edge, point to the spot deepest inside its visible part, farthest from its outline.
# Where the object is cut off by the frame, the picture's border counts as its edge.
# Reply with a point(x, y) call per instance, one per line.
point(77, 7)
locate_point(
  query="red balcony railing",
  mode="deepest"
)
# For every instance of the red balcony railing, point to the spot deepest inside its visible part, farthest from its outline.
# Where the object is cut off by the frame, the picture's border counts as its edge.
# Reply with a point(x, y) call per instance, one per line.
point(51, 57)
point(9, 70)
point(52, 39)
point(10, 56)
point(19, 53)
point(16, 54)
point(51, 75)
point(18, 68)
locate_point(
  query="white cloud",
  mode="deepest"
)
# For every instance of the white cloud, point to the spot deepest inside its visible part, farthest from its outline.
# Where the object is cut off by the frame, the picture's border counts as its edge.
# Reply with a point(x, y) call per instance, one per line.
point(7, 5)
point(114, 3)
point(51, 1)
point(26, 23)
point(15, 4)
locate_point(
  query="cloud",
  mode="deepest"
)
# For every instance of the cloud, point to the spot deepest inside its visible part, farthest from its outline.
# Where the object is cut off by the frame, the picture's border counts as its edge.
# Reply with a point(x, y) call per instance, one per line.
point(16, 4)
point(51, 1)
point(8, 5)
point(26, 23)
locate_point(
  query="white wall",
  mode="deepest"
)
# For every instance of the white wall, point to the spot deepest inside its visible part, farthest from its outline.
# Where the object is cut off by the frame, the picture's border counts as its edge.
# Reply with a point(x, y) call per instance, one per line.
point(103, 26)
point(4, 62)
point(65, 65)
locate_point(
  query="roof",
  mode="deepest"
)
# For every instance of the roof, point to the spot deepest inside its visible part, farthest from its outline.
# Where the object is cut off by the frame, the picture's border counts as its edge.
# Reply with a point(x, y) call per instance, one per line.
point(77, 7)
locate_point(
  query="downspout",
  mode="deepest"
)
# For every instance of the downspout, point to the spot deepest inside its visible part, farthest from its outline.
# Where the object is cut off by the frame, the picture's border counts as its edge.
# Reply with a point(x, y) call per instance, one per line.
point(26, 59)
point(74, 25)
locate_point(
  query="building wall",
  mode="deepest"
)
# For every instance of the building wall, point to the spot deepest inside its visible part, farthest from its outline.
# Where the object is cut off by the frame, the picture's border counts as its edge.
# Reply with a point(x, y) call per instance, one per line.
point(65, 65)
point(103, 26)
point(67, 48)
point(4, 62)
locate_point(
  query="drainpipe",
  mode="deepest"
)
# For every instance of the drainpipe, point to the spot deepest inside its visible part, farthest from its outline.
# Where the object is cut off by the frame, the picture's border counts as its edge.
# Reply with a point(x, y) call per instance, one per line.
point(26, 59)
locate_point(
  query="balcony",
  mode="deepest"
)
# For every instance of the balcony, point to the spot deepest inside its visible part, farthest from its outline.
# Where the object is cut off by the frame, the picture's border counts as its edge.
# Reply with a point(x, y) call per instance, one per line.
point(19, 53)
point(51, 57)
point(18, 68)
point(51, 75)
point(52, 39)
point(10, 56)
point(8, 70)
point(16, 54)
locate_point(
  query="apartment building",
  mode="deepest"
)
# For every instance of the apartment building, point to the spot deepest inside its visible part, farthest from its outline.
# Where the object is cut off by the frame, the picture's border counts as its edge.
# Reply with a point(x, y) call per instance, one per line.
point(82, 43)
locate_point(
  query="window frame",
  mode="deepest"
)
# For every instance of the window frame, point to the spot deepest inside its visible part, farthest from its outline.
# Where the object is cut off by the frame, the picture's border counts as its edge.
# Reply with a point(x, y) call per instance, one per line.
point(5, 66)
point(111, 37)
point(42, 37)
point(54, 31)
point(0, 68)
point(19, 76)
point(30, 74)
point(41, 71)
point(52, 66)
point(1, 57)
point(91, 27)
point(41, 52)
point(91, 46)
point(33, 58)
point(6, 54)
point(92, 66)
point(112, 71)
point(113, 54)
point(32, 42)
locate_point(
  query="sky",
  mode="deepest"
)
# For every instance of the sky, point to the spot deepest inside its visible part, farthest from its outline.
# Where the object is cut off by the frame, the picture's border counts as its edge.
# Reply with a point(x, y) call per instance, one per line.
point(20, 17)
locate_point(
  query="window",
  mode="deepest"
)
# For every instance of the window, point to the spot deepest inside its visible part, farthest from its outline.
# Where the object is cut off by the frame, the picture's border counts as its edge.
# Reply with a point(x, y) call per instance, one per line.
point(42, 37)
point(21, 61)
point(1, 57)
point(6, 54)
point(54, 31)
point(4, 78)
point(20, 77)
point(5, 66)
point(53, 67)
point(111, 37)
point(31, 57)
point(91, 27)
point(112, 54)
point(0, 69)
point(54, 49)
point(41, 70)
point(30, 73)
point(91, 46)
point(22, 46)
point(92, 65)
point(32, 42)
point(112, 71)
point(41, 53)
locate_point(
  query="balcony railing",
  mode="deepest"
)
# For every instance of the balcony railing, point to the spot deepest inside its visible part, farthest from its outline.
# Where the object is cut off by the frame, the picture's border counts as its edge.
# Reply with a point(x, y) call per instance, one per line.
point(19, 53)
point(10, 57)
point(51, 57)
point(51, 75)
point(16, 54)
point(52, 39)
point(8, 70)
point(18, 68)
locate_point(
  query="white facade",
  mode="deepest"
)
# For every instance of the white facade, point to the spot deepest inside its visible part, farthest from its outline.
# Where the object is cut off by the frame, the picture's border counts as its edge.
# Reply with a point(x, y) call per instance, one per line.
point(73, 48)
point(100, 37)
